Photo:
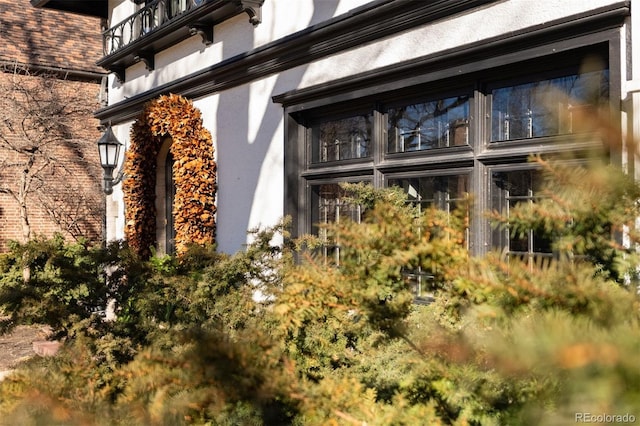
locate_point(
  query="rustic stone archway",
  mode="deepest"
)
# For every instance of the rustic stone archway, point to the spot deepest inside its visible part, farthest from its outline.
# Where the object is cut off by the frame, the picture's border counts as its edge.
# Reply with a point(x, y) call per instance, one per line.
point(194, 174)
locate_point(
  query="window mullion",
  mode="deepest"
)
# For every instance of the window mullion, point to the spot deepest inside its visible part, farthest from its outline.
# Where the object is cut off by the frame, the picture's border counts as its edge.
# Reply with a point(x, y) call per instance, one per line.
point(378, 145)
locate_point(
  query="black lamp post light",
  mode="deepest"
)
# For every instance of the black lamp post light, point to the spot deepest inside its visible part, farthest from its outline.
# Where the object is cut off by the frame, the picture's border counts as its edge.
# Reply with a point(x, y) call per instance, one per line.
point(109, 149)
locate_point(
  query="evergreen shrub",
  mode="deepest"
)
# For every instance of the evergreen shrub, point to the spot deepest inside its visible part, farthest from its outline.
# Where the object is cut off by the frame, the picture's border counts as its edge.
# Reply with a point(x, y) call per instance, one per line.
point(278, 334)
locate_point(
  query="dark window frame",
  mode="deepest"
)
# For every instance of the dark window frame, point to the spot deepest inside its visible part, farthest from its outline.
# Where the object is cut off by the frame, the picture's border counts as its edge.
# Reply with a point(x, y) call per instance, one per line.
point(426, 94)
point(480, 155)
point(501, 237)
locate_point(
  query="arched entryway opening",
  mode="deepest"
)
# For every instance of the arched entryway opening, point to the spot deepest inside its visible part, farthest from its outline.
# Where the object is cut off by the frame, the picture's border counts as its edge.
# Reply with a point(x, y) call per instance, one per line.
point(168, 141)
point(165, 197)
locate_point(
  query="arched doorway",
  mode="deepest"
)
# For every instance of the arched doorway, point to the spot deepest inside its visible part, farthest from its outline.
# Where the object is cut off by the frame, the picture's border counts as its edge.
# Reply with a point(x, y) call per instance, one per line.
point(170, 188)
point(165, 197)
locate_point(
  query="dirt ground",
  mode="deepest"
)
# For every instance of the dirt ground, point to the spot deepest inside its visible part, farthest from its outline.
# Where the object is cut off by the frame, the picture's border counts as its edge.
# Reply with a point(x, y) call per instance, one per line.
point(18, 345)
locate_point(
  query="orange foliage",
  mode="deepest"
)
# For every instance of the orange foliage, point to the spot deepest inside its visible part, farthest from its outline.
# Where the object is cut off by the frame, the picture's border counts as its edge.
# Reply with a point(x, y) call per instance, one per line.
point(194, 175)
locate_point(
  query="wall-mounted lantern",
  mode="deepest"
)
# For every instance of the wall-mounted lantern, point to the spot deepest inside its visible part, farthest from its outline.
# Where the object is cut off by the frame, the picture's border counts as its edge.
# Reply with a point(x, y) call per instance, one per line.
point(109, 149)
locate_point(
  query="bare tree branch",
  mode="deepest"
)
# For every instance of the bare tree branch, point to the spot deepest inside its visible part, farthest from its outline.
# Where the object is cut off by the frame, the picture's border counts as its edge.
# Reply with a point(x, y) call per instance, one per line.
point(44, 162)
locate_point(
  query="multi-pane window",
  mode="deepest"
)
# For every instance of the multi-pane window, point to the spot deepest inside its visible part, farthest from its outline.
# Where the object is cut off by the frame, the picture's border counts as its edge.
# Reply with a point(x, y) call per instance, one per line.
point(342, 139)
point(545, 107)
point(445, 143)
point(512, 188)
point(329, 206)
point(428, 125)
point(442, 192)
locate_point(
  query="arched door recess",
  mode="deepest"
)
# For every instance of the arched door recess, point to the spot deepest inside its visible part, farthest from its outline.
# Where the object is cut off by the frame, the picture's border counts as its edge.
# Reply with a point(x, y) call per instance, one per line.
point(165, 196)
point(172, 118)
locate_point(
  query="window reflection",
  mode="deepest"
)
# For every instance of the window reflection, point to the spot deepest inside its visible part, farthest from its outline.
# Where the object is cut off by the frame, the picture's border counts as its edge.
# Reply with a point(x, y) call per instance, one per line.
point(329, 206)
point(545, 107)
point(511, 189)
point(429, 125)
point(442, 192)
point(344, 139)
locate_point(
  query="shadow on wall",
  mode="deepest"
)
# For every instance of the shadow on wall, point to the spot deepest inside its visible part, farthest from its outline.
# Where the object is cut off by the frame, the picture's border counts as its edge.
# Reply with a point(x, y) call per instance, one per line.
point(241, 157)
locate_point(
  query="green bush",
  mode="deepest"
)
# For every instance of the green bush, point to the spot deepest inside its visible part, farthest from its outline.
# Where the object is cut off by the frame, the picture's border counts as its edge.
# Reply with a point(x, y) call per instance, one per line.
point(258, 338)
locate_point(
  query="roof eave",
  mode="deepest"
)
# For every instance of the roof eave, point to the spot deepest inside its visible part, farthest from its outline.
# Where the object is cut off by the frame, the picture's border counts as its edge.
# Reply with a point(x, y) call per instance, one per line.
point(97, 8)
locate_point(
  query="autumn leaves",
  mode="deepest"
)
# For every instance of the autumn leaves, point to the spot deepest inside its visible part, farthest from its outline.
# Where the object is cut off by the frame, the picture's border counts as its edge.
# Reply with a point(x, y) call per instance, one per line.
point(194, 175)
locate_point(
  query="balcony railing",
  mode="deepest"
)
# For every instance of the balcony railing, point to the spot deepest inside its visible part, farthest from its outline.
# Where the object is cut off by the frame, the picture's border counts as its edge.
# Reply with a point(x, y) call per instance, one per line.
point(154, 15)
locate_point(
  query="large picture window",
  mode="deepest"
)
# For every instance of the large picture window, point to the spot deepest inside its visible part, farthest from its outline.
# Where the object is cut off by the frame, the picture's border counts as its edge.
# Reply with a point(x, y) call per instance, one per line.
point(448, 140)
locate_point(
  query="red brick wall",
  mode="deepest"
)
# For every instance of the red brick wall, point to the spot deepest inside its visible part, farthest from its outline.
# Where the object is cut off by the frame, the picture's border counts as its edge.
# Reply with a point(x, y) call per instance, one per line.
point(48, 37)
point(32, 41)
point(73, 179)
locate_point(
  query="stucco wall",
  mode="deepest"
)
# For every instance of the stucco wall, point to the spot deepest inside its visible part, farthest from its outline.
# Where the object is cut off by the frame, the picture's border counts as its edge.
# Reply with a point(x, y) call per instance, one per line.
point(281, 18)
point(247, 127)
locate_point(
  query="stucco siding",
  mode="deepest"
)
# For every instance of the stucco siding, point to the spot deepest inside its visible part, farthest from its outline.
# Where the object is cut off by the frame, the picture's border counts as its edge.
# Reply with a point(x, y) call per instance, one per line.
point(246, 125)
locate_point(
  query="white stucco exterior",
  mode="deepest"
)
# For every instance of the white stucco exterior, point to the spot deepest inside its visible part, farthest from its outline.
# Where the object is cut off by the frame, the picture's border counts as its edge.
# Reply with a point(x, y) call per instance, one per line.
point(248, 127)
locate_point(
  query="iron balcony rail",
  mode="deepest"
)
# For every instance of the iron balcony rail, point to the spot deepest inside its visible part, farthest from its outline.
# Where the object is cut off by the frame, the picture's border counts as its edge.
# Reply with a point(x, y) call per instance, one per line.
point(151, 17)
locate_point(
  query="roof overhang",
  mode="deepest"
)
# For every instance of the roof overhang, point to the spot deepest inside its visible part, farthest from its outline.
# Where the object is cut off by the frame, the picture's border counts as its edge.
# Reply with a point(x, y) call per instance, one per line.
point(97, 8)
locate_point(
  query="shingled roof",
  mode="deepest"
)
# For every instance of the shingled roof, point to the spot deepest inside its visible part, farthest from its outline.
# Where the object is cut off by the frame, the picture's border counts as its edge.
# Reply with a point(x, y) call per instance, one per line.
point(48, 38)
